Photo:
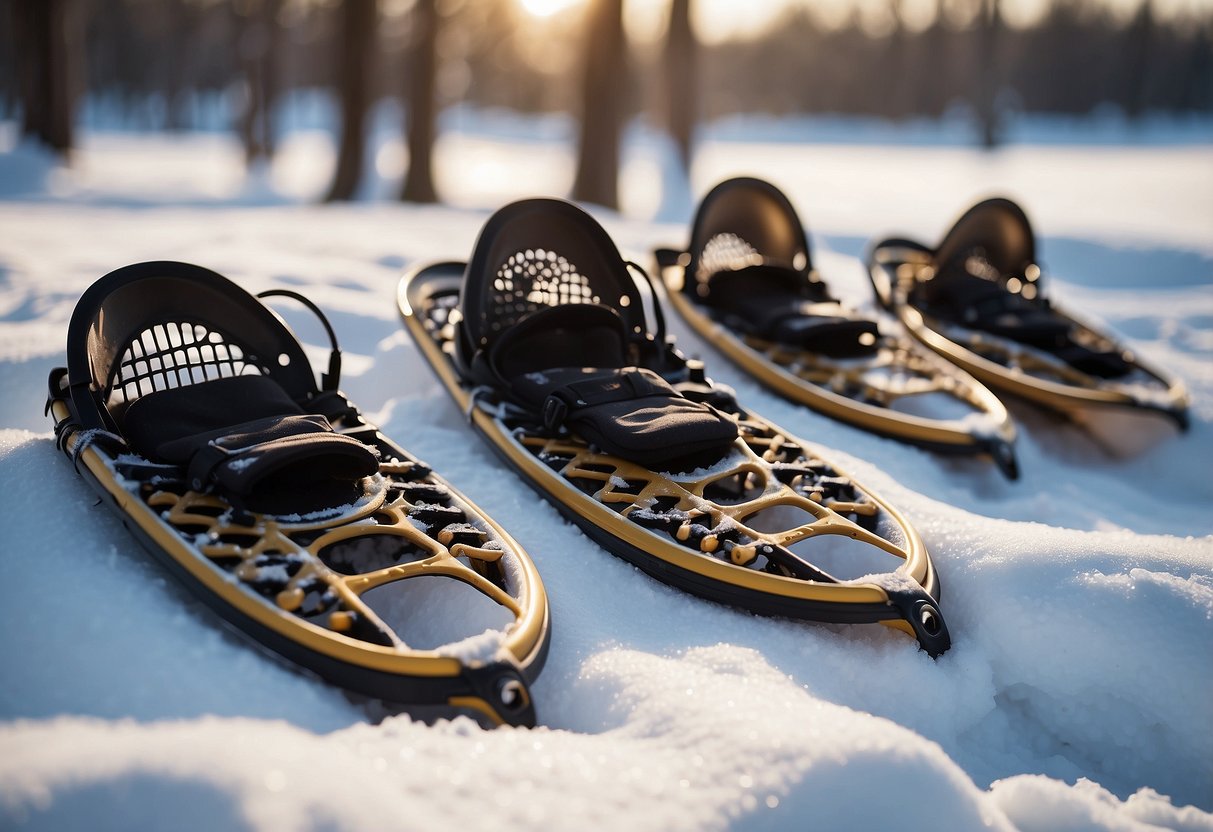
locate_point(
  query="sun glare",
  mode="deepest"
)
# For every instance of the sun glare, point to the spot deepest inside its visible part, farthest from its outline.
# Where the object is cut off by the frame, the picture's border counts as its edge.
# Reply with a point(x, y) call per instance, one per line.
point(716, 21)
point(547, 8)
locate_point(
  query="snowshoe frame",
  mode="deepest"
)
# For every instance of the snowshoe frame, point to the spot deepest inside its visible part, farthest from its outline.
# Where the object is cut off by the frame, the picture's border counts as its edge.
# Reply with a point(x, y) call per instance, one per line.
point(896, 264)
point(279, 579)
point(690, 530)
point(856, 391)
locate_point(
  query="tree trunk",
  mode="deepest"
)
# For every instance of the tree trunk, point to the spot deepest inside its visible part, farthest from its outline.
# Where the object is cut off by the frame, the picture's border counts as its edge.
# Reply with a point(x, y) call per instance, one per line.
point(270, 79)
point(1136, 57)
point(897, 67)
point(602, 97)
point(988, 73)
point(259, 53)
point(45, 64)
point(422, 104)
point(176, 34)
point(933, 82)
point(354, 53)
point(681, 80)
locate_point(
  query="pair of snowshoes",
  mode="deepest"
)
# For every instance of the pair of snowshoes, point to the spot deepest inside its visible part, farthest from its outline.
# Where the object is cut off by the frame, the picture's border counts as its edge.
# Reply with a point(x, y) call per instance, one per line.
point(978, 300)
point(556, 348)
point(974, 307)
point(193, 411)
point(746, 283)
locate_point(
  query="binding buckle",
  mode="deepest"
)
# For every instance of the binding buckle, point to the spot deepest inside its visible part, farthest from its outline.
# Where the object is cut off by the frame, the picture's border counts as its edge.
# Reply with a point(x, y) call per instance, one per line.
point(555, 411)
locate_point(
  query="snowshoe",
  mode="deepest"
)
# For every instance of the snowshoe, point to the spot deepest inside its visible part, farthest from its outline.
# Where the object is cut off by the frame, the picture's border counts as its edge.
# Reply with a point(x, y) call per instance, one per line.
point(746, 283)
point(978, 299)
point(557, 352)
point(191, 408)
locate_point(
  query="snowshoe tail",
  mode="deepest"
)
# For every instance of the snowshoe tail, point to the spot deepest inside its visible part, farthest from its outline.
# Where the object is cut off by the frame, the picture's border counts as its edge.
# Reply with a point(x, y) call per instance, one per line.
point(191, 408)
point(746, 283)
point(978, 300)
point(726, 506)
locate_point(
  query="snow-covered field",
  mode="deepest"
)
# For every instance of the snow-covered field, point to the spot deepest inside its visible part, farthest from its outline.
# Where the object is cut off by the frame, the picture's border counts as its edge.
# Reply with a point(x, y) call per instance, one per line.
point(1077, 695)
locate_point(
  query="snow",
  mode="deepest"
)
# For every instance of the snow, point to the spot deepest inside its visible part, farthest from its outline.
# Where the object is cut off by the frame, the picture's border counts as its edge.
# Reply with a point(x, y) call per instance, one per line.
point(1080, 599)
point(419, 610)
point(241, 464)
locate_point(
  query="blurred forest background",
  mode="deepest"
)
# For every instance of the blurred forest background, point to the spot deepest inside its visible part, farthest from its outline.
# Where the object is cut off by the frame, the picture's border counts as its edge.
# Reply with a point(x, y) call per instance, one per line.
point(193, 64)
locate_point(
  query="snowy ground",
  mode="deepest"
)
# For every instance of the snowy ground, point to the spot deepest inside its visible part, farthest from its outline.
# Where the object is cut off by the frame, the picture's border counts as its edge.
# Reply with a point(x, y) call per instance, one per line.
point(1077, 695)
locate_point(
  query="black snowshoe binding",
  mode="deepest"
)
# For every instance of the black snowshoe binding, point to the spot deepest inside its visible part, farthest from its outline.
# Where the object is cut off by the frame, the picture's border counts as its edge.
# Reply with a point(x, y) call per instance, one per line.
point(747, 284)
point(193, 411)
point(978, 300)
point(558, 354)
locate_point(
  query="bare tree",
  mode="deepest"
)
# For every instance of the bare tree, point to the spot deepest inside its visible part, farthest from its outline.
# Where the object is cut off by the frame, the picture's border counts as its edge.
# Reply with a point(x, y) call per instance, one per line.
point(932, 65)
point(602, 100)
point(1138, 42)
point(1195, 89)
point(356, 48)
point(46, 47)
point(422, 104)
point(988, 71)
point(258, 47)
point(680, 61)
point(897, 66)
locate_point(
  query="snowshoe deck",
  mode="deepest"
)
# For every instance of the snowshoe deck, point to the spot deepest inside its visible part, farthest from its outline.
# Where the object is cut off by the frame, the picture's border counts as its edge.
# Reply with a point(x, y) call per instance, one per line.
point(319, 585)
point(977, 300)
point(767, 524)
point(746, 284)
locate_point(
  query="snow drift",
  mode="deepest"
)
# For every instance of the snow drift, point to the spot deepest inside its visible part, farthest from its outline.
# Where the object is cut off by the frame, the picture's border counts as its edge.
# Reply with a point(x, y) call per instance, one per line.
point(1080, 598)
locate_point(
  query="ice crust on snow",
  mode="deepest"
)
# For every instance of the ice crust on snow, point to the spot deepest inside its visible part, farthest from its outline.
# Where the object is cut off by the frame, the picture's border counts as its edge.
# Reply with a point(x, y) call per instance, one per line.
point(1080, 599)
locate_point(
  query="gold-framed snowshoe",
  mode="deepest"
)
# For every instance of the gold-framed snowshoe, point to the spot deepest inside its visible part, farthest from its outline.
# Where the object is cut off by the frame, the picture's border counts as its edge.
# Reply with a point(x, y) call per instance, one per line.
point(978, 300)
point(191, 408)
point(746, 284)
point(545, 338)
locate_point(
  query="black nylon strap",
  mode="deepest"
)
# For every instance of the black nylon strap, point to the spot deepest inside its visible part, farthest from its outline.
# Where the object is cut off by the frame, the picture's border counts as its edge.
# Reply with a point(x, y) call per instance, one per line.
point(631, 412)
point(667, 257)
point(788, 306)
point(331, 380)
point(251, 446)
point(203, 463)
point(245, 437)
point(628, 384)
point(580, 334)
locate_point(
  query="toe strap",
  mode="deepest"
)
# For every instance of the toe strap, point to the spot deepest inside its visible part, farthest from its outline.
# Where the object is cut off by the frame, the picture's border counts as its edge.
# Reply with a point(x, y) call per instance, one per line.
point(631, 412)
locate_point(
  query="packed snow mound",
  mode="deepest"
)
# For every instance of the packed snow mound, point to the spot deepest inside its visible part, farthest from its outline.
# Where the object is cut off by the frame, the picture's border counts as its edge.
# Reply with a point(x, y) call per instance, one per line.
point(1080, 599)
point(710, 739)
point(1038, 804)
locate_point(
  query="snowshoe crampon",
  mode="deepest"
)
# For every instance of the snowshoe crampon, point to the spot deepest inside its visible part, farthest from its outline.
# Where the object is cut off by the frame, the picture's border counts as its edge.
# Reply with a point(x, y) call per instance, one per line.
point(559, 357)
point(194, 412)
point(746, 283)
point(978, 300)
